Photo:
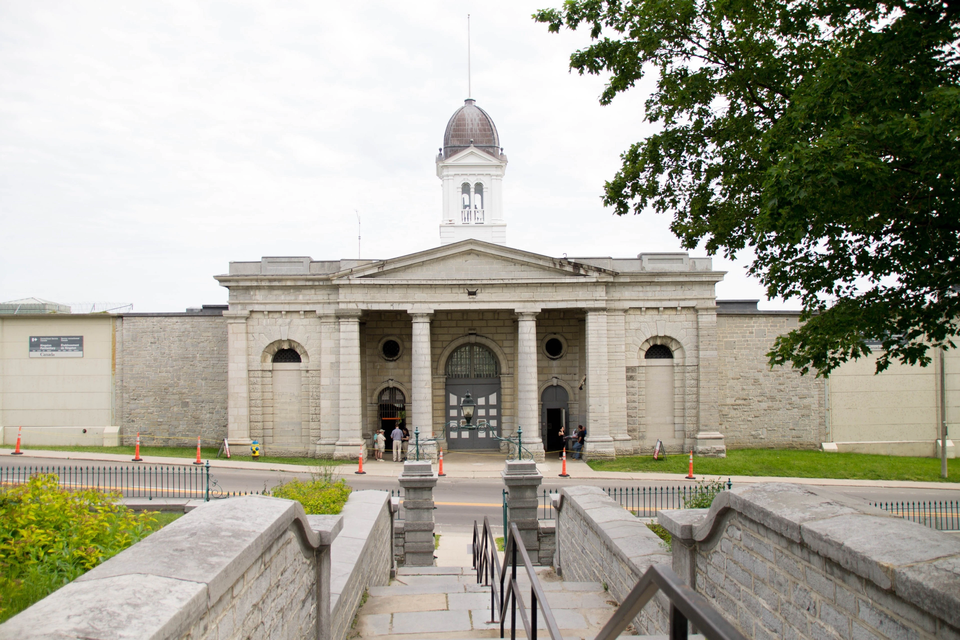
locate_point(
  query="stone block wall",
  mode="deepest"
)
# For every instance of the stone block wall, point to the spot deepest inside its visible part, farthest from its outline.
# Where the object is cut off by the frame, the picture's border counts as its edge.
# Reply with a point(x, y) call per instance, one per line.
point(598, 541)
point(240, 568)
point(362, 556)
point(760, 406)
point(171, 378)
point(786, 561)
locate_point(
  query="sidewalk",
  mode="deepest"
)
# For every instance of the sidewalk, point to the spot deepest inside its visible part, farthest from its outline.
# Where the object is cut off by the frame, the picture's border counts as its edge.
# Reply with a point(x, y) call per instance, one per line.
point(471, 466)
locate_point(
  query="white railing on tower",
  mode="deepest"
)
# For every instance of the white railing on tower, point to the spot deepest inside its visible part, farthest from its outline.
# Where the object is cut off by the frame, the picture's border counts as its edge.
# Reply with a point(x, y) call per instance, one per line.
point(471, 216)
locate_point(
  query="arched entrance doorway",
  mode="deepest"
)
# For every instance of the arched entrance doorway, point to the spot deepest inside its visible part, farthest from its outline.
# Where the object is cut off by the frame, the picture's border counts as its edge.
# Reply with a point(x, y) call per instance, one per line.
point(553, 403)
point(287, 410)
point(660, 396)
point(474, 369)
point(391, 412)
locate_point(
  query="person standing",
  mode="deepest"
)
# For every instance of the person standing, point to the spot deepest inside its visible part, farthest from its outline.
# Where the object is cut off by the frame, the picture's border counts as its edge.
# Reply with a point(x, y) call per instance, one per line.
point(379, 443)
point(580, 443)
point(397, 436)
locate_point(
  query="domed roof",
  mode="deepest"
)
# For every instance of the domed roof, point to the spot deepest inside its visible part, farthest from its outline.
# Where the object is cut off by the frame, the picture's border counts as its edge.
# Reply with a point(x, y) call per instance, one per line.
point(470, 125)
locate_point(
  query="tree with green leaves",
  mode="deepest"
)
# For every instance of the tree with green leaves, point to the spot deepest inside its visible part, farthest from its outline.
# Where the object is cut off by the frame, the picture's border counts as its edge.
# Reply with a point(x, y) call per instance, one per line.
point(822, 136)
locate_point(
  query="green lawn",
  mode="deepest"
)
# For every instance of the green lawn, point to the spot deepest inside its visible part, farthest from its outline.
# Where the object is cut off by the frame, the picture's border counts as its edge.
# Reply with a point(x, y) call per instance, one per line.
point(792, 464)
point(190, 453)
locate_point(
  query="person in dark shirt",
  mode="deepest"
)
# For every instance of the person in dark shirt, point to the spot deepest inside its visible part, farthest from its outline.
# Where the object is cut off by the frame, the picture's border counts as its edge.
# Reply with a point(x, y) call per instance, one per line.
point(580, 443)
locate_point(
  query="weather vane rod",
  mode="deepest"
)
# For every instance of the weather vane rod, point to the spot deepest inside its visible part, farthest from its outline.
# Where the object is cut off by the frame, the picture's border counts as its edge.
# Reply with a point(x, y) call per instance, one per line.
point(469, 84)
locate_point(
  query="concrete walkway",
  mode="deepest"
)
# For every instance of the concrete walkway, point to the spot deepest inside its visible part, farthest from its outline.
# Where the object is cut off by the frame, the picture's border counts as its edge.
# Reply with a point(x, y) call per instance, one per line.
point(446, 602)
point(470, 465)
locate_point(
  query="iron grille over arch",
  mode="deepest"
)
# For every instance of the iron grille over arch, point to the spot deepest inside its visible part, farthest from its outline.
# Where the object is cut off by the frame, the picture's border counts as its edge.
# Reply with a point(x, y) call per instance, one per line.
point(472, 361)
point(286, 355)
point(659, 352)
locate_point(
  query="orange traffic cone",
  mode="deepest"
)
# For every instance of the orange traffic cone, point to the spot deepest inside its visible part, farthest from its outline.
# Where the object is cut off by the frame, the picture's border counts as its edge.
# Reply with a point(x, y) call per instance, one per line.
point(198, 451)
point(563, 472)
point(440, 470)
point(17, 451)
point(360, 471)
point(690, 473)
point(136, 453)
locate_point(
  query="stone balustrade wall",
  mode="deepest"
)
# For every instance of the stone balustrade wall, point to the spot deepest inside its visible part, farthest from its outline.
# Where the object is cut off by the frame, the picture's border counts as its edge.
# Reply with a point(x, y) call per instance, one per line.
point(598, 541)
point(252, 567)
point(787, 561)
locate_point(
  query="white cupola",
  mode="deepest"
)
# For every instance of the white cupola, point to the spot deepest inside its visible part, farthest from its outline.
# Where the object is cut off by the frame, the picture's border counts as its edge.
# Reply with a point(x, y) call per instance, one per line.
point(471, 165)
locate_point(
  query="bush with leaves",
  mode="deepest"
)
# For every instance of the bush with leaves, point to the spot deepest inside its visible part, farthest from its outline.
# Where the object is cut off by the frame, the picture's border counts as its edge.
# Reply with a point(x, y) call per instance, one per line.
point(50, 536)
point(317, 496)
point(703, 494)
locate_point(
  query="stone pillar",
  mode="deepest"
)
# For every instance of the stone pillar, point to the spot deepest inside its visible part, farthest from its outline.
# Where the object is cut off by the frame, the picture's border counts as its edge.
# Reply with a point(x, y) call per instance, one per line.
point(418, 481)
point(599, 442)
point(617, 382)
point(349, 438)
point(709, 440)
point(238, 385)
point(522, 480)
point(528, 405)
point(329, 386)
point(421, 409)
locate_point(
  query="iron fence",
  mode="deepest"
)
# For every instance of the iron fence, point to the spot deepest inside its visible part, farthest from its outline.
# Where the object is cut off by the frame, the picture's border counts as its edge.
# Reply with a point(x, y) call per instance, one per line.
point(141, 481)
point(943, 515)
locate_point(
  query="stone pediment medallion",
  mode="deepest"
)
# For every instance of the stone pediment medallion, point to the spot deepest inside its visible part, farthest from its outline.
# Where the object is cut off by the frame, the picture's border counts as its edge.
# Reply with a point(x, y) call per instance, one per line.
point(474, 260)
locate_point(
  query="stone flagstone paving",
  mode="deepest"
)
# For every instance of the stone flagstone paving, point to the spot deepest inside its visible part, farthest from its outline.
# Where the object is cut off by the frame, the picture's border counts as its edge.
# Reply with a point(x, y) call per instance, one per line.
point(446, 602)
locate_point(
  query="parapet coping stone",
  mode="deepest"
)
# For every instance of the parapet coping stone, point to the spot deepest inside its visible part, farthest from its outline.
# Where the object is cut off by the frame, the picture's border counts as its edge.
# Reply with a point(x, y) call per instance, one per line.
point(618, 528)
point(359, 515)
point(160, 586)
point(917, 563)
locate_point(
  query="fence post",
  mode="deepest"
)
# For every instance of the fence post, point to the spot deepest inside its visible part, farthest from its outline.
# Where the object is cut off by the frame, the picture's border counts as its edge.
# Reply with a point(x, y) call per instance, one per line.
point(206, 493)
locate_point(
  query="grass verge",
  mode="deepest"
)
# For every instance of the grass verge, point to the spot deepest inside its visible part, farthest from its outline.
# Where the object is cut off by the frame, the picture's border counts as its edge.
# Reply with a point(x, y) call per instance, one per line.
point(190, 453)
point(785, 463)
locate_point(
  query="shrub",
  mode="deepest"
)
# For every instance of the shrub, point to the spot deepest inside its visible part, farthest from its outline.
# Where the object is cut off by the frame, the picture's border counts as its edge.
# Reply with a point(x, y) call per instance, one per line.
point(50, 536)
point(317, 496)
point(703, 495)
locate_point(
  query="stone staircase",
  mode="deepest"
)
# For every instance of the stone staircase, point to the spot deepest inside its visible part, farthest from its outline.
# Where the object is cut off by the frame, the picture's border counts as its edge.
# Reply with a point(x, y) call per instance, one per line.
point(442, 602)
point(447, 602)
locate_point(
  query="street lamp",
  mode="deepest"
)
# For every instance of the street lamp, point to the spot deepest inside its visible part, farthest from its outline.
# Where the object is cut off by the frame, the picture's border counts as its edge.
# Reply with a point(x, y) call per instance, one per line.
point(468, 405)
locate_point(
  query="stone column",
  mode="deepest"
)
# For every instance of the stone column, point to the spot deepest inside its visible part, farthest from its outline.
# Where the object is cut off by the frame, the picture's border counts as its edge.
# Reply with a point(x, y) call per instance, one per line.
point(599, 442)
point(349, 438)
point(238, 385)
point(418, 481)
point(709, 440)
point(522, 480)
point(528, 405)
point(421, 410)
point(617, 382)
point(329, 385)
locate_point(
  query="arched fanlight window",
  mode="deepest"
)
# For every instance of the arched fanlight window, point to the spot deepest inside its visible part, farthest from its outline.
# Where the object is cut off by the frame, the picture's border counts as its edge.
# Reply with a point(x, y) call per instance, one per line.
point(659, 352)
point(465, 196)
point(478, 196)
point(286, 355)
point(472, 361)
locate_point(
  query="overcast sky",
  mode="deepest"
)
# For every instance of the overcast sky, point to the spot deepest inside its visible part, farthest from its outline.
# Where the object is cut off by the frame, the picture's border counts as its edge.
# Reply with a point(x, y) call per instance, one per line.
point(145, 145)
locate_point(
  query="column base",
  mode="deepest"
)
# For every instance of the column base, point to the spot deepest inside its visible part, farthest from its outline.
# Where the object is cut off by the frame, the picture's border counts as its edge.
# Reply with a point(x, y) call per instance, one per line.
point(710, 445)
point(348, 450)
point(600, 449)
point(325, 449)
point(623, 445)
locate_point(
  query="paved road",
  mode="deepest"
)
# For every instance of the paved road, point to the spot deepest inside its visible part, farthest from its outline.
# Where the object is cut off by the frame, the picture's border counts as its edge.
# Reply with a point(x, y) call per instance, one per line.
point(461, 500)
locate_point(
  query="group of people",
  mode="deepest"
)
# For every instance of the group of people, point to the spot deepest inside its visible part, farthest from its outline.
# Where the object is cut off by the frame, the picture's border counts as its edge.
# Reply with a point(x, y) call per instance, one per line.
point(579, 440)
point(400, 437)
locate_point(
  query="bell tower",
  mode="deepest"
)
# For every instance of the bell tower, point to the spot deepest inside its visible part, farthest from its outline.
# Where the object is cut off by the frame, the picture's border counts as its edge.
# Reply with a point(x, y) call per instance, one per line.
point(470, 166)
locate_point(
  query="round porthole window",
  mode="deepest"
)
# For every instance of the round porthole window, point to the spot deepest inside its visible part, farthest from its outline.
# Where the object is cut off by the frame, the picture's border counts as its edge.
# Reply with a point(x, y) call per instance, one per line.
point(554, 347)
point(390, 348)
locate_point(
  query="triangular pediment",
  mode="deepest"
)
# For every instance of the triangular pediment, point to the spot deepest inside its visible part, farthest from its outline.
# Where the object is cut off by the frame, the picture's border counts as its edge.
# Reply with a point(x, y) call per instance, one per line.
point(472, 260)
point(472, 156)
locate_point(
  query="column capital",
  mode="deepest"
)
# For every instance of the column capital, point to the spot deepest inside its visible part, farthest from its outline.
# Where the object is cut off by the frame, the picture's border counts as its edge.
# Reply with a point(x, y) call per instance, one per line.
point(349, 314)
point(598, 311)
point(526, 314)
point(420, 315)
point(236, 316)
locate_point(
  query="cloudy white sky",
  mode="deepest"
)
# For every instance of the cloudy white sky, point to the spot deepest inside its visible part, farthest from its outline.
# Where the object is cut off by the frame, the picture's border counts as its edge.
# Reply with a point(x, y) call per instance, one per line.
point(145, 145)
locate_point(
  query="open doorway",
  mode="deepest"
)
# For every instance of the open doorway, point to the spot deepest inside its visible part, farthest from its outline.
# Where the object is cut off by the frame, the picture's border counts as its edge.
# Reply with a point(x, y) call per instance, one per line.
point(555, 412)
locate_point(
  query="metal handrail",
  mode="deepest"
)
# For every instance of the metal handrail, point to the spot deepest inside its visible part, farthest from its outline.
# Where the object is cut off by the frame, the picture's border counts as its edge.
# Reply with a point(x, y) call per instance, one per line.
point(486, 563)
point(512, 592)
point(685, 604)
